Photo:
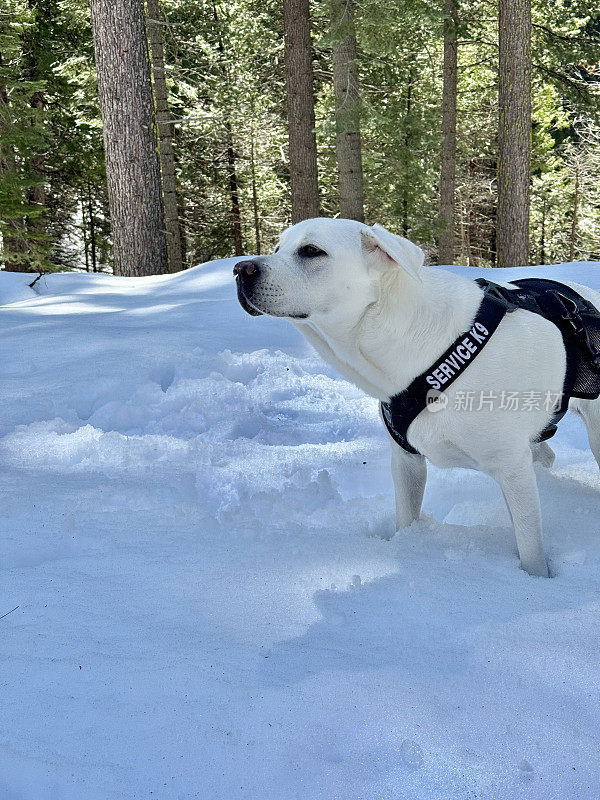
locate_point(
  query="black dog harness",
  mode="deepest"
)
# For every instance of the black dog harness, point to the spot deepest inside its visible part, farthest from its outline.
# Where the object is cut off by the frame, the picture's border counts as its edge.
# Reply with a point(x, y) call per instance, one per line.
point(577, 319)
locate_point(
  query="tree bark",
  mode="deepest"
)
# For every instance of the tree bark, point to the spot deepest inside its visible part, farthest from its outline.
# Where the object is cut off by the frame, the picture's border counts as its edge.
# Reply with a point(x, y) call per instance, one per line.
point(254, 192)
point(84, 233)
point(407, 141)
point(36, 194)
point(130, 141)
point(300, 110)
point(165, 136)
point(573, 238)
point(543, 234)
point(448, 155)
point(514, 132)
point(469, 216)
point(346, 89)
point(234, 193)
point(92, 228)
point(493, 248)
point(182, 230)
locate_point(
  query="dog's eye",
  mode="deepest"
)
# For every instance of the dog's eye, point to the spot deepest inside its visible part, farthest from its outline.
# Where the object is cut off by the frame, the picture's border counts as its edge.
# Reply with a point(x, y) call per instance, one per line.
point(310, 251)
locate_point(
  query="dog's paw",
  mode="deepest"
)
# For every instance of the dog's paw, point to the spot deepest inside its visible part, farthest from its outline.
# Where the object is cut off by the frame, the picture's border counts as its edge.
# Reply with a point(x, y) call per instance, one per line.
point(537, 569)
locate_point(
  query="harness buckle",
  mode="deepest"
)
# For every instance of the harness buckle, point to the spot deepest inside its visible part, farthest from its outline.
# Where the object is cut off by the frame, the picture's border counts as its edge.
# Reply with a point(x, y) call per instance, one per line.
point(572, 316)
point(562, 308)
point(571, 311)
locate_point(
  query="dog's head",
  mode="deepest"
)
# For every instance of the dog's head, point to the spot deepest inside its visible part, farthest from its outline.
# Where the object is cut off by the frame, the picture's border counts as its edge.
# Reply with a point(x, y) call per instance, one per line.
point(324, 268)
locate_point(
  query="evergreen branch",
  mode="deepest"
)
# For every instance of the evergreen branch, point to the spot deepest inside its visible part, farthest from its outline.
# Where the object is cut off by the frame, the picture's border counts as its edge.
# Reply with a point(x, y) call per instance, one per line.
point(591, 40)
point(579, 86)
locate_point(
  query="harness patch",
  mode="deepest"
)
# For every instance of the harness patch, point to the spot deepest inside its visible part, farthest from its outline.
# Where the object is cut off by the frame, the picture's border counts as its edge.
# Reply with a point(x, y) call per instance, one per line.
point(453, 364)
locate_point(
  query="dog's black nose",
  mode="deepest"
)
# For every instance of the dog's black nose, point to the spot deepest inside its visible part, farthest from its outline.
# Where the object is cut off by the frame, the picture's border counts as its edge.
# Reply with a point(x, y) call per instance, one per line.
point(249, 268)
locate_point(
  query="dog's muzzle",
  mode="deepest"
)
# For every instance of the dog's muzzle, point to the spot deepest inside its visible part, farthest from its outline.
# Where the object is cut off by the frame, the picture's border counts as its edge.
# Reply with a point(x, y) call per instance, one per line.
point(246, 273)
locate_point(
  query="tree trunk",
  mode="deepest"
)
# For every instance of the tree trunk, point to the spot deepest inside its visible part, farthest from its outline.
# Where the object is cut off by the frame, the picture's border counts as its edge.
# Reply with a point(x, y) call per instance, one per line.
point(12, 246)
point(494, 219)
point(493, 256)
point(234, 193)
point(573, 240)
point(84, 233)
point(92, 228)
point(182, 230)
point(165, 136)
point(469, 216)
point(461, 224)
point(448, 165)
point(346, 91)
point(300, 110)
point(407, 140)
point(196, 227)
point(543, 234)
point(254, 192)
point(130, 142)
point(36, 194)
point(514, 132)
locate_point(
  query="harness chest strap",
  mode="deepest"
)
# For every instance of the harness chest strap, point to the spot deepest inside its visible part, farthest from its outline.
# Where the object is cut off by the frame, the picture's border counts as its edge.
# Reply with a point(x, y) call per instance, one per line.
point(403, 408)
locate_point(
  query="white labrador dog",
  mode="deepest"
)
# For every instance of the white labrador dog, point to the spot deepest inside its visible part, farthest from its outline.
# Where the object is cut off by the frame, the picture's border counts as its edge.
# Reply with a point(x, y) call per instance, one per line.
point(364, 300)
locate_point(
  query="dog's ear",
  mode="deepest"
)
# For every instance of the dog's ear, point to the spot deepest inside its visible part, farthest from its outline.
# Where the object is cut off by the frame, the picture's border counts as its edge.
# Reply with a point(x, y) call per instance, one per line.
point(389, 250)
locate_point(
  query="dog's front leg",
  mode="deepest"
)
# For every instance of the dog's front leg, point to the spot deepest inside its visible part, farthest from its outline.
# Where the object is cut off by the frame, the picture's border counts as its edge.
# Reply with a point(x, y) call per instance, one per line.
point(543, 453)
point(410, 475)
point(519, 486)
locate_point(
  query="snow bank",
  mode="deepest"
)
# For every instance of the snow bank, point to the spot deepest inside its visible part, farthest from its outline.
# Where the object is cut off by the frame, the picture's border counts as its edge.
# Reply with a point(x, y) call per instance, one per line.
point(14, 287)
point(196, 524)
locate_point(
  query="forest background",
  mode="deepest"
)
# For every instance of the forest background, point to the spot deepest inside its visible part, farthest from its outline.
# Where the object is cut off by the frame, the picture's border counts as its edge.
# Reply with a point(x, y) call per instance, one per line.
point(417, 108)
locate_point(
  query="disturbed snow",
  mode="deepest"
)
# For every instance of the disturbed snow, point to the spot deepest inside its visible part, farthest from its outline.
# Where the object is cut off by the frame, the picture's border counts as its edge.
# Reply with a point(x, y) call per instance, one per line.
point(197, 528)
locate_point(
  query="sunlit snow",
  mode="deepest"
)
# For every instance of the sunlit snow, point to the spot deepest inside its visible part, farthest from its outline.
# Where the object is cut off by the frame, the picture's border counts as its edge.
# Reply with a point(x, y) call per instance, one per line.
point(197, 531)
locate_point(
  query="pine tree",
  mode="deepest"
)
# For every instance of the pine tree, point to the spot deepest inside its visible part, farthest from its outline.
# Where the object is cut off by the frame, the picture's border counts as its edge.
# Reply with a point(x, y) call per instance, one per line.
point(448, 151)
point(226, 93)
point(232, 171)
point(347, 110)
point(300, 110)
point(132, 165)
point(165, 136)
point(514, 131)
point(24, 136)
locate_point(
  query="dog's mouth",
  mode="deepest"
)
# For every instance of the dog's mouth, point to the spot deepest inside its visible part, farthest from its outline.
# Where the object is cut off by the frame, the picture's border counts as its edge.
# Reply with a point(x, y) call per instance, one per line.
point(251, 309)
point(245, 303)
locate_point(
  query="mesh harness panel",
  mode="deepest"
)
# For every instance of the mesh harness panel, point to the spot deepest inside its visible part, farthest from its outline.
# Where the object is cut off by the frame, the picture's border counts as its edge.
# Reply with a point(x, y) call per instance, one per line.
point(577, 319)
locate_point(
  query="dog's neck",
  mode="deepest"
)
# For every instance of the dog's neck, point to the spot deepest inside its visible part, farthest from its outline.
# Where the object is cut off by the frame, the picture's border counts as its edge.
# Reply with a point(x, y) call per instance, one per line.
point(399, 335)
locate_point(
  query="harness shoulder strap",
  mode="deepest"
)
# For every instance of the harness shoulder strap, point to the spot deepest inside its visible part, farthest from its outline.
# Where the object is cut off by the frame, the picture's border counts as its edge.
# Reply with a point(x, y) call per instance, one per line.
point(403, 408)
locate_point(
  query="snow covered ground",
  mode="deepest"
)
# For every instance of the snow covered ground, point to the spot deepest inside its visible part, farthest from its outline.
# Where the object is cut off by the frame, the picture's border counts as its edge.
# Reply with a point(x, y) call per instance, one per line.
point(192, 507)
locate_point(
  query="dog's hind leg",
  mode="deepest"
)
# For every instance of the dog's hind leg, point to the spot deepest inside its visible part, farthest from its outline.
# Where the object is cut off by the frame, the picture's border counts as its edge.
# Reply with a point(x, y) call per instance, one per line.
point(409, 472)
point(589, 410)
point(543, 454)
point(519, 486)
